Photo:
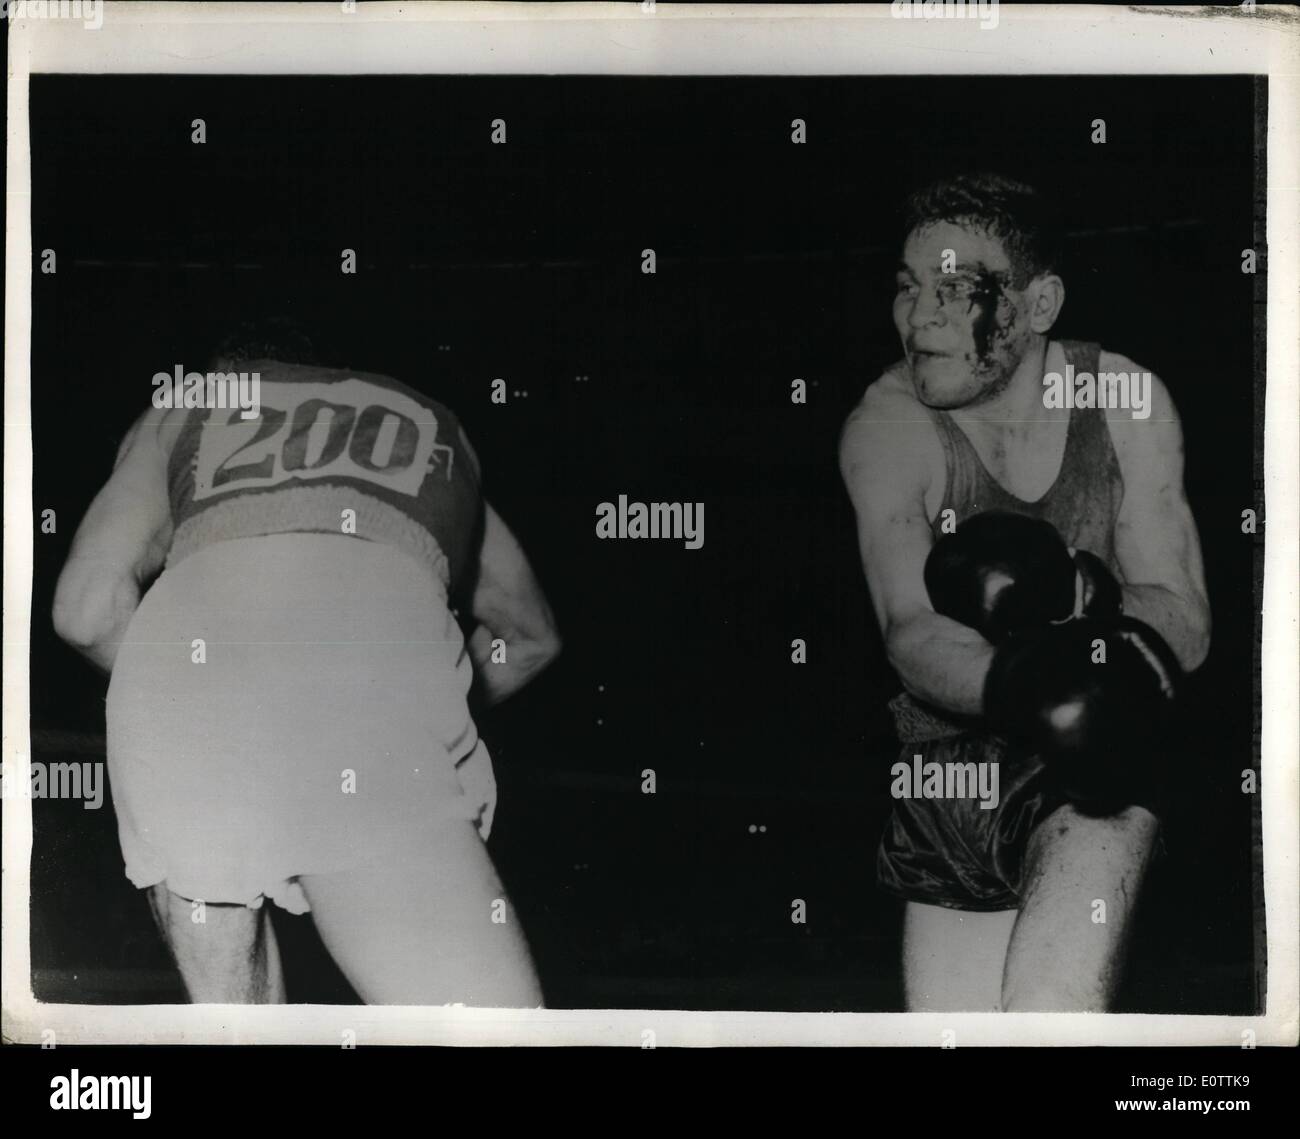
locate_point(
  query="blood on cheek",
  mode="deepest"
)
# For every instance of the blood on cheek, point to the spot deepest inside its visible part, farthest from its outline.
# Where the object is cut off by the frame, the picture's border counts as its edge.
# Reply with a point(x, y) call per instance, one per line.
point(991, 319)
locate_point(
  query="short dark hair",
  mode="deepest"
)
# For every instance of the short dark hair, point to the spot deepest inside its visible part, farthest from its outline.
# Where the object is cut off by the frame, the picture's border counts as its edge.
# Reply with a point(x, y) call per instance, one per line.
point(265, 338)
point(1011, 211)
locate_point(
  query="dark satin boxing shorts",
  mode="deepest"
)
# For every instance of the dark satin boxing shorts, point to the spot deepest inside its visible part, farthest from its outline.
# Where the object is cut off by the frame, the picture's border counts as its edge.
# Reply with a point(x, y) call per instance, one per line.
point(953, 853)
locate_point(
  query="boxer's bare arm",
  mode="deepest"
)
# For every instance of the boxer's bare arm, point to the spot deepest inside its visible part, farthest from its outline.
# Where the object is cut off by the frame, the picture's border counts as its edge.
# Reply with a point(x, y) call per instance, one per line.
point(509, 605)
point(886, 459)
point(120, 544)
point(1156, 543)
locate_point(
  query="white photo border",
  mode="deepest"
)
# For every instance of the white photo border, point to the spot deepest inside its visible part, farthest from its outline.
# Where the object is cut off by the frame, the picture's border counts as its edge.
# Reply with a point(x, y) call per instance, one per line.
point(666, 39)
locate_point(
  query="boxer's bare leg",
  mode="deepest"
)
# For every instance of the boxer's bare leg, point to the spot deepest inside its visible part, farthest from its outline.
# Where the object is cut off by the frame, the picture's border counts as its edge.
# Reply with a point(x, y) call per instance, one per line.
point(422, 932)
point(953, 959)
point(1061, 958)
point(231, 957)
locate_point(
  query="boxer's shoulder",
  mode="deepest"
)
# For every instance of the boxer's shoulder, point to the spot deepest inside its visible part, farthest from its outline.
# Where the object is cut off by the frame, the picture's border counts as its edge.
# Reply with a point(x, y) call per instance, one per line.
point(889, 424)
point(1108, 360)
point(154, 429)
point(1148, 394)
point(890, 403)
point(888, 395)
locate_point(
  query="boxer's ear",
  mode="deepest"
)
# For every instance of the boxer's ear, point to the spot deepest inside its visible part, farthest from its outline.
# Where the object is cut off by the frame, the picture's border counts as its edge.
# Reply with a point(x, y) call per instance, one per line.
point(1047, 298)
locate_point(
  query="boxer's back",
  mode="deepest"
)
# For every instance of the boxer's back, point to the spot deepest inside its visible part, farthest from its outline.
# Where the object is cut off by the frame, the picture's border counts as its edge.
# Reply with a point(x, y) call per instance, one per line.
point(330, 451)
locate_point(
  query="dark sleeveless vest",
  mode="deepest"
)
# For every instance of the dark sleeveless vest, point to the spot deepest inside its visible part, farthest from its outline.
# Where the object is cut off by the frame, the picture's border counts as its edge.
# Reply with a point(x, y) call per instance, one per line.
point(326, 442)
point(1083, 504)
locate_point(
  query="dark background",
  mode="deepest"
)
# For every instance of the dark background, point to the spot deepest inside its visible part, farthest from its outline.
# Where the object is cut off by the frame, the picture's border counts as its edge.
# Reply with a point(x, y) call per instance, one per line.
point(523, 261)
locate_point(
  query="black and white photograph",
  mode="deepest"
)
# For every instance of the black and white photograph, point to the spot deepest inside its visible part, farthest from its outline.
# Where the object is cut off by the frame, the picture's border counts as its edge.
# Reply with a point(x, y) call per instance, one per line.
point(549, 538)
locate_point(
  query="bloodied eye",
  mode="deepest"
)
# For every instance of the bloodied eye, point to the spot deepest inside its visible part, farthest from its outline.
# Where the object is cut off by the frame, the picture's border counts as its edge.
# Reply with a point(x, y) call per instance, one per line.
point(955, 290)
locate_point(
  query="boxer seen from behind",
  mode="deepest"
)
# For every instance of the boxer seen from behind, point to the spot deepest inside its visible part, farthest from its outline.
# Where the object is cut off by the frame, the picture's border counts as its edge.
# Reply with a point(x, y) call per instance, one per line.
point(1036, 573)
point(287, 714)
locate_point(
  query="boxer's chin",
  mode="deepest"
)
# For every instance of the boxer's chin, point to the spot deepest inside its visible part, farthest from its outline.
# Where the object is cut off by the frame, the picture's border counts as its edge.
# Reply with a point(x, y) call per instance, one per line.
point(942, 382)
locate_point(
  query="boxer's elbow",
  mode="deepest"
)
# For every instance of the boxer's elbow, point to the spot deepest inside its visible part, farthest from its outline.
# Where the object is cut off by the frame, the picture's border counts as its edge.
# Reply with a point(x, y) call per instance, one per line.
point(939, 662)
point(1196, 642)
point(88, 609)
point(554, 646)
point(905, 642)
point(76, 623)
point(1184, 621)
point(543, 649)
point(542, 636)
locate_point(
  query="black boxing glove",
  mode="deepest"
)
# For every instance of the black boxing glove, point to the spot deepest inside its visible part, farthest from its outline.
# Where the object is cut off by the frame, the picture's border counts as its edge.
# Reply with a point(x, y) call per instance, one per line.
point(1002, 573)
point(1096, 701)
point(1098, 593)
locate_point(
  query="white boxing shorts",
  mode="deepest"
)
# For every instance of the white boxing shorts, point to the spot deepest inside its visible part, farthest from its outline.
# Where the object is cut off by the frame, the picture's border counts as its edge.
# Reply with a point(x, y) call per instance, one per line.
point(285, 705)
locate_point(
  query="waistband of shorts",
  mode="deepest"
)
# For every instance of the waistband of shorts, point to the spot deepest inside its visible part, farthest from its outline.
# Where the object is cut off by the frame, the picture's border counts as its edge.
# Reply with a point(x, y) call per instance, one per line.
point(308, 509)
point(915, 722)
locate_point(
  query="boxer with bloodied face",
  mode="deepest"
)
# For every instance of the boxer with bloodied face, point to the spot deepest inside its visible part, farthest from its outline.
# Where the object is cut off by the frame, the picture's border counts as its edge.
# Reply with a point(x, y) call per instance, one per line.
point(1001, 898)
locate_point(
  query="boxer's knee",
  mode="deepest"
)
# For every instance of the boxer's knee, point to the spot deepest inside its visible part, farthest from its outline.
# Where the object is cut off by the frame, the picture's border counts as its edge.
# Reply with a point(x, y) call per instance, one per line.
point(1081, 886)
point(1070, 845)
